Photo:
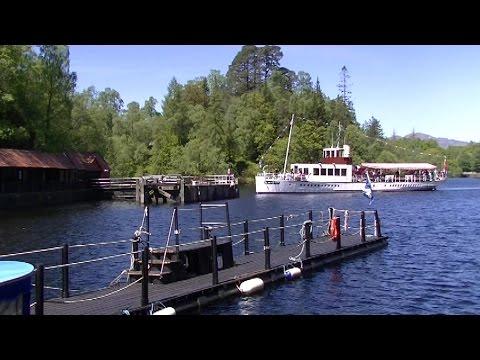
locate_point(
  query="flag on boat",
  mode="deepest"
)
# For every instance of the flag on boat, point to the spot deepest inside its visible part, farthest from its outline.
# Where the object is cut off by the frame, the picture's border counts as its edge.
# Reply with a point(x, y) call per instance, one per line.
point(367, 191)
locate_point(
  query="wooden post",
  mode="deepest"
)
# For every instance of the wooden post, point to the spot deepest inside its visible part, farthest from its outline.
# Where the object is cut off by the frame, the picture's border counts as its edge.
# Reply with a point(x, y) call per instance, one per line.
point(308, 237)
point(228, 221)
point(145, 256)
point(39, 279)
point(182, 190)
point(147, 221)
point(282, 230)
point(177, 231)
point(266, 248)
point(338, 230)
point(65, 277)
point(214, 261)
point(245, 237)
point(378, 232)
point(362, 226)
point(310, 217)
point(201, 222)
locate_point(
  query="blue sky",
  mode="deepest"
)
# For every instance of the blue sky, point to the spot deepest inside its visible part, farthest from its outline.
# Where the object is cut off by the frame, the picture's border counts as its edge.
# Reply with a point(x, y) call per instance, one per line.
point(432, 89)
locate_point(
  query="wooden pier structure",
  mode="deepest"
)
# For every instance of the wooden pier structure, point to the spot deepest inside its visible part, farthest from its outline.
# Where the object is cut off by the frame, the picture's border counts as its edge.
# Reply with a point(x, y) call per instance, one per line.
point(174, 188)
point(185, 277)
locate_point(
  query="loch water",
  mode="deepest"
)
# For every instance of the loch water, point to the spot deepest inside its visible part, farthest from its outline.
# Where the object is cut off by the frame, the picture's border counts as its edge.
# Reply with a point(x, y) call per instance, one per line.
point(430, 266)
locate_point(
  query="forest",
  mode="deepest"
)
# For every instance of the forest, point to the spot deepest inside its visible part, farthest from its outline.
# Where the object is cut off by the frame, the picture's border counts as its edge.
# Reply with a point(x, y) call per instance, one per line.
point(239, 119)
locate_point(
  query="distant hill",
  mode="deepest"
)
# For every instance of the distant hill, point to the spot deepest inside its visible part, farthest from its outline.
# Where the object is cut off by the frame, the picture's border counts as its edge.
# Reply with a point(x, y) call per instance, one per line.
point(442, 142)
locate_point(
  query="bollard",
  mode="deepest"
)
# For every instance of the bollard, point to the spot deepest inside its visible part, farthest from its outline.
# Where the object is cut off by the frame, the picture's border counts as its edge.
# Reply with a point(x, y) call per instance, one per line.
point(266, 248)
point(65, 274)
point(39, 283)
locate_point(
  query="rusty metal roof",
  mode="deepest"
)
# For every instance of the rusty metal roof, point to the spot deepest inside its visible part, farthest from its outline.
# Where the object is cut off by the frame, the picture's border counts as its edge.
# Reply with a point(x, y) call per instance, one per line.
point(88, 161)
point(36, 159)
point(33, 159)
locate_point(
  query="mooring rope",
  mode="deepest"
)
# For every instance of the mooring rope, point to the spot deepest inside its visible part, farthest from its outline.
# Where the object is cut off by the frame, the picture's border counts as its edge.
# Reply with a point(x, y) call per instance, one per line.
point(97, 297)
point(168, 240)
point(89, 261)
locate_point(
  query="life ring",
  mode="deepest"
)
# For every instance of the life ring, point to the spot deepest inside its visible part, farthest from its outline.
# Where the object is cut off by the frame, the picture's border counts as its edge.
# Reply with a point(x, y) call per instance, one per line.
point(333, 229)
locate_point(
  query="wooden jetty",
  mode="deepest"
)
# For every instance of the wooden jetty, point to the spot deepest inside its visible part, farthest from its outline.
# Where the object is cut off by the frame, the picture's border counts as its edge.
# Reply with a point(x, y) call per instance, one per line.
point(198, 285)
point(174, 188)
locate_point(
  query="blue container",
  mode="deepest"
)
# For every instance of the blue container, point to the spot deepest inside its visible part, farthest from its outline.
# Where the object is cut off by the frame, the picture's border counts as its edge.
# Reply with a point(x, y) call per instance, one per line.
point(15, 287)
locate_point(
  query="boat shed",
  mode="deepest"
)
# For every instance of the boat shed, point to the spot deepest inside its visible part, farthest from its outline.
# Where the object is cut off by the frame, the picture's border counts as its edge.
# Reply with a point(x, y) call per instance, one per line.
point(34, 171)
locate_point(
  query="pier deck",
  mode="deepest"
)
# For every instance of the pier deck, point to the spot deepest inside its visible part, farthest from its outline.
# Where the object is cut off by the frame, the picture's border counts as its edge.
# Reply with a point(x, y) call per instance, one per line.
point(196, 292)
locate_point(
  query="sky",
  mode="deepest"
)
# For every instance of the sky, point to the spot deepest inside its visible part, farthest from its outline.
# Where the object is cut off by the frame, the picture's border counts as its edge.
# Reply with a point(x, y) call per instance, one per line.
point(429, 89)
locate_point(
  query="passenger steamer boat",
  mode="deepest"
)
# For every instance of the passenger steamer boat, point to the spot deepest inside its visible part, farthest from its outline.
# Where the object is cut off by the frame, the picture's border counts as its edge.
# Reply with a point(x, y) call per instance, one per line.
point(336, 173)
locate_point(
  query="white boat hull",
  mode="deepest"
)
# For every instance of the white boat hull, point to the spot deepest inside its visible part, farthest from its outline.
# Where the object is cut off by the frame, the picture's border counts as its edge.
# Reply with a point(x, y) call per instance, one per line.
point(264, 186)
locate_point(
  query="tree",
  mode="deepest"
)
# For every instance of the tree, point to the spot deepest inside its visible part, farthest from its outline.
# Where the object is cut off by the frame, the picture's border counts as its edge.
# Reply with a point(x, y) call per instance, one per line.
point(373, 128)
point(344, 86)
point(58, 85)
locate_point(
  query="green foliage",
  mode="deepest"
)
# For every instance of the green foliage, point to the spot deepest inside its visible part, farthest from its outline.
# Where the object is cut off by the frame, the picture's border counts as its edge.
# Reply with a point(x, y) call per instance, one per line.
point(237, 120)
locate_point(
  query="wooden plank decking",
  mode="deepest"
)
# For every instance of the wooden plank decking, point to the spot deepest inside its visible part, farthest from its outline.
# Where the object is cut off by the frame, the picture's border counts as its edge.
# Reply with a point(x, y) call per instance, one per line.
point(322, 249)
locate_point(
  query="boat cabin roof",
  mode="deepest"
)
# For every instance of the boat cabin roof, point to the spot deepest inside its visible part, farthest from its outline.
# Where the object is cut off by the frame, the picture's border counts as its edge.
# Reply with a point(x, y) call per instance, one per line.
point(399, 166)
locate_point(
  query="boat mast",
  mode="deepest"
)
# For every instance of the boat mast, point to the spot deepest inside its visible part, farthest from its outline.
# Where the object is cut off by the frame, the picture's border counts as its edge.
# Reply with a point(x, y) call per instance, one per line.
point(288, 146)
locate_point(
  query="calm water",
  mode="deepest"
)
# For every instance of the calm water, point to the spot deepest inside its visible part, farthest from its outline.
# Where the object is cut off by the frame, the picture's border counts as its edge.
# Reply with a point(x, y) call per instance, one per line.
point(431, 265)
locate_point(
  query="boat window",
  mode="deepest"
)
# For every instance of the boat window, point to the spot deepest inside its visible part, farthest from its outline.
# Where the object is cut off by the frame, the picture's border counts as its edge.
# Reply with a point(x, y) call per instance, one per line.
point(323, 172)
point(330, 172)
point(305, 171)
point(337, 172)
point(316, 171)
point(344, 172)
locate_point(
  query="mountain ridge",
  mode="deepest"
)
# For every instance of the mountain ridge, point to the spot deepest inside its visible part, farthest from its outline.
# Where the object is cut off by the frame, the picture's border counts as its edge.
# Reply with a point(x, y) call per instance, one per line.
point(442, 142)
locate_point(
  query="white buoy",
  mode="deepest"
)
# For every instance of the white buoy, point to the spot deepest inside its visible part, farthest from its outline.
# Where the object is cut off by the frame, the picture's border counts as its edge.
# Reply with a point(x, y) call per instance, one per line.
point(250, 286)
point(293, 273)
point(165, 311)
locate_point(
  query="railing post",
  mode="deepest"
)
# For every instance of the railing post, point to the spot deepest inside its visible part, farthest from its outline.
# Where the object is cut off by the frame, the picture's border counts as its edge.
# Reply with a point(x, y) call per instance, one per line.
point(310, 217)
point(136, 265)
point(177, 231)
point(308, 237)
point(39, 280)
point(378, 232)
point(201, 220)
point(266, 248)
point(228, 221)
point(245, 237)
point(65, 272)
point(145, 256)
point(362, 226)
point(214, 261)
point(282, 230)
point(147, 220)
